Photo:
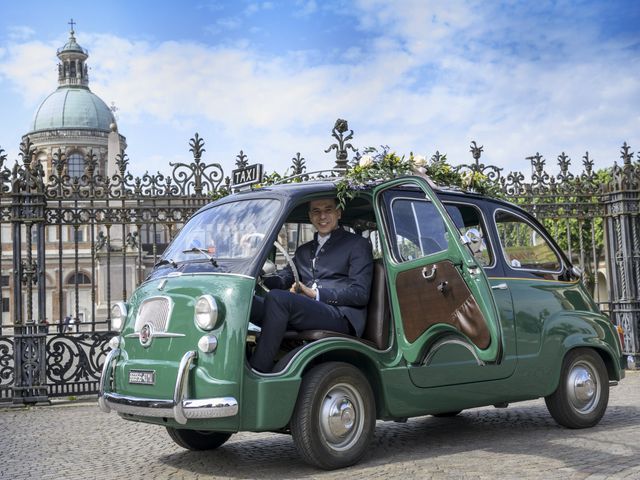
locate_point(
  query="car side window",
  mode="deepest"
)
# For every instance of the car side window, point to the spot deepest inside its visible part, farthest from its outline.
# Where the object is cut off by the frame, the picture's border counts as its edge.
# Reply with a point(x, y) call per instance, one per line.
point(523, 245)
point(469, 222)
point(418, 228)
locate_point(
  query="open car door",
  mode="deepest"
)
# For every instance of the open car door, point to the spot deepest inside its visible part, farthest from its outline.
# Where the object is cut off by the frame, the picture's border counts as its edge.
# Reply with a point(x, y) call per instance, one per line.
point(447, 322)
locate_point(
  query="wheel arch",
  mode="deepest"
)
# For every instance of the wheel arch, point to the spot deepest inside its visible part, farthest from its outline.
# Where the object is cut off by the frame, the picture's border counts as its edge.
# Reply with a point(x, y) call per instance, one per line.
point(571, 330)
point(362, 362)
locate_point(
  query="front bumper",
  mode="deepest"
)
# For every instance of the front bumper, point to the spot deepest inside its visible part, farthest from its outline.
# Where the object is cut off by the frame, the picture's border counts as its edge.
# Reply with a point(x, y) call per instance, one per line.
point(179, 408)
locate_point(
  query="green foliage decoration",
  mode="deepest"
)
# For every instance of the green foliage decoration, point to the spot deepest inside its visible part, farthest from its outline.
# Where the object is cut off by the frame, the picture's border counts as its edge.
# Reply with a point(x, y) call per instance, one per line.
point(375, 167)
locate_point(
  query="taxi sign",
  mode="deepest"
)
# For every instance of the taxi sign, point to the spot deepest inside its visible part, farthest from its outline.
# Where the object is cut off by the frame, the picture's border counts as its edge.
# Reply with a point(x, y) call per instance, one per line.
point(247, 176)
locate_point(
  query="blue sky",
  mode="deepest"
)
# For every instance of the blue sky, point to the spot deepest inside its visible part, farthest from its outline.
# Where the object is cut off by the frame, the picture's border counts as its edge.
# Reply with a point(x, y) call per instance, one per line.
point(271, 77)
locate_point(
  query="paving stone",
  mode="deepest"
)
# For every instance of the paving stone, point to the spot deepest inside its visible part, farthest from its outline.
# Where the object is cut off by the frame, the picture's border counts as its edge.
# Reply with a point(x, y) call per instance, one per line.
point(77, 441)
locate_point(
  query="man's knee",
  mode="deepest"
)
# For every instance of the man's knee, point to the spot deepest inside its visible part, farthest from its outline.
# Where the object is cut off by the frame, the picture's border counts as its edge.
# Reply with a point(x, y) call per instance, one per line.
point(279, 297)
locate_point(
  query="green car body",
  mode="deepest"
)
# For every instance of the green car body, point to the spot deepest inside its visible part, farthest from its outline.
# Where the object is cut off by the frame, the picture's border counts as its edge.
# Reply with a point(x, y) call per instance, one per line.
point(531, 319)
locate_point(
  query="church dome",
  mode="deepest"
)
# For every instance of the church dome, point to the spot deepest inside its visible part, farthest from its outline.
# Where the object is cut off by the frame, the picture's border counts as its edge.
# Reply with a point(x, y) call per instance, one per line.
point(70, 107)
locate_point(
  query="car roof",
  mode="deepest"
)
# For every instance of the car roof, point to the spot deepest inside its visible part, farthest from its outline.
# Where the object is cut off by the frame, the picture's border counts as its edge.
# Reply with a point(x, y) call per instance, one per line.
point(295, 192)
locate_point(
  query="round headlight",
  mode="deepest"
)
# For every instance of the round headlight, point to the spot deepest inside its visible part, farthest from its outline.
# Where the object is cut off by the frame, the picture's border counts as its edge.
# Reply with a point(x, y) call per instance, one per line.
point(206, 314)
point(118, 316)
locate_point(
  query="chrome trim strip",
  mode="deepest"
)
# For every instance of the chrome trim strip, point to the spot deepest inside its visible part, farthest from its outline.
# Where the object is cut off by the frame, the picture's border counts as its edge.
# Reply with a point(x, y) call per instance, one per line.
point(210, 407)
point(500, 286)
point(227, 274)
point(150, 407)
point(106, 377)
point(146, 407)
point(182, 383)
point(529, 279)
point(156, 335)
point(450, 341)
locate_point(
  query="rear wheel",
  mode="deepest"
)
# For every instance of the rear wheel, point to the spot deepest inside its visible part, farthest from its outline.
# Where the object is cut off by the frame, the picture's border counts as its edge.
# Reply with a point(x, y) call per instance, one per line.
point(583, 392)
point(197, 439)
point(335, 416)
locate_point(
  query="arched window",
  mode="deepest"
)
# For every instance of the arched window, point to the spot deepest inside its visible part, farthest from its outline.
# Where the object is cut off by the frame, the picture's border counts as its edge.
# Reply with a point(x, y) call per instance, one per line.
point(76, 165)
point(79, 278)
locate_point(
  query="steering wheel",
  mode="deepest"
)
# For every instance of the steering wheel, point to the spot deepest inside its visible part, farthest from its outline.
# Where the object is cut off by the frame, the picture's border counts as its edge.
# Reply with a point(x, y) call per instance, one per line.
point(269, 267)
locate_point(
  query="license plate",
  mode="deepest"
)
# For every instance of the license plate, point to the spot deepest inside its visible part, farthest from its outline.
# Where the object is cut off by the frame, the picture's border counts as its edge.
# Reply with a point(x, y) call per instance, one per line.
point(144, 377)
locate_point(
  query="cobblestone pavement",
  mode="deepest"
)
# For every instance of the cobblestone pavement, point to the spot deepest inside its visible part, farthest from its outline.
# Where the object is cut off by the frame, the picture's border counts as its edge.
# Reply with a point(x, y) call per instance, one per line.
point(77, 441)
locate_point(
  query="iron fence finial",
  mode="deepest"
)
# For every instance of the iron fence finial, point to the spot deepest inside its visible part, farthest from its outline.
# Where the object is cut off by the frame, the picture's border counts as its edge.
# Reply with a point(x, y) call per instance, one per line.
point(342, 146)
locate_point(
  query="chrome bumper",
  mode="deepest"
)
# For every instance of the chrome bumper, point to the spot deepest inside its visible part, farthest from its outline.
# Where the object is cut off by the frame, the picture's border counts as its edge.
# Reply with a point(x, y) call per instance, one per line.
point(180, 408)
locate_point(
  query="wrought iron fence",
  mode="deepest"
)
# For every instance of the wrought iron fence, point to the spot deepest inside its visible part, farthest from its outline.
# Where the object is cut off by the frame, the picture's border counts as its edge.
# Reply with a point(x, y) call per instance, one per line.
point(71, 246)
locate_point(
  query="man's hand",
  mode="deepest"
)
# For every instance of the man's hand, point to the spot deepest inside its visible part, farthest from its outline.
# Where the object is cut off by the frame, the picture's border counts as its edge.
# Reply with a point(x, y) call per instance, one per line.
point(302, 289)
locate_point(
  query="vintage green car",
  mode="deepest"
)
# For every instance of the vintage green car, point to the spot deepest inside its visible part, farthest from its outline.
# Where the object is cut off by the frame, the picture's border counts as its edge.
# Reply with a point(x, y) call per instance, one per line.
point(472, 304)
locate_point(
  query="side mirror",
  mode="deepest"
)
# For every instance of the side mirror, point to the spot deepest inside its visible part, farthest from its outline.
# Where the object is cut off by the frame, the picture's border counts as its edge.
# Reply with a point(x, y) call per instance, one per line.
point(576, 271)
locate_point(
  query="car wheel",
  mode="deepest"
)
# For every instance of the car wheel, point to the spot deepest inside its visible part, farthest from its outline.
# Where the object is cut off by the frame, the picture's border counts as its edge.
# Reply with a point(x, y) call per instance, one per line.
point(197, 439)
point(335, 416)
point(583, 392)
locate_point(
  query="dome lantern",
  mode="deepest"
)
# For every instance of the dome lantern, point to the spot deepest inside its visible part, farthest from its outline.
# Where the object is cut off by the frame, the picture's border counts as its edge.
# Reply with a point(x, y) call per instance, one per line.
point(72, 69)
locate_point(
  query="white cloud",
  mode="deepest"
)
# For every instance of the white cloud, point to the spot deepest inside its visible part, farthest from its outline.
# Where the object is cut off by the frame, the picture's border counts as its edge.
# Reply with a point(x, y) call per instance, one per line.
point(433, 77)
point(255, 7)
point(29, 68)
point(306, 7)
point(20, 33)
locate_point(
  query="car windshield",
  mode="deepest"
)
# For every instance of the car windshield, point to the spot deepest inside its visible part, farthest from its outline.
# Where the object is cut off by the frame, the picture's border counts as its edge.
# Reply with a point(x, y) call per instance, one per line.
point(231, 231)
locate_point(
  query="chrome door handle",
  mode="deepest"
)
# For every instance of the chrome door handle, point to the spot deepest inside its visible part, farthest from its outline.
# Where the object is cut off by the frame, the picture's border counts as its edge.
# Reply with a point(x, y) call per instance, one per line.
point(500, 286)
point(431, 275)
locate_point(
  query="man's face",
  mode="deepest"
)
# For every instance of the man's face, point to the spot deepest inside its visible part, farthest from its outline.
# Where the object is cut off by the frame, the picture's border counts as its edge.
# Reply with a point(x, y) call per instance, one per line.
point(324, 215)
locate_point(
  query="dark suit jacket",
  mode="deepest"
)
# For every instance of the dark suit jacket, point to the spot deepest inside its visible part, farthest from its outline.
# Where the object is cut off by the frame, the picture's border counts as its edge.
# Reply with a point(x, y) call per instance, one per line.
point(342, 272)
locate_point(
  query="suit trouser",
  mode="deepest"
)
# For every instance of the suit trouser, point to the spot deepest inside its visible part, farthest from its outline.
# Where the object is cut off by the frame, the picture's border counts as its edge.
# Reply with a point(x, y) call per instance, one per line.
point(281, 310)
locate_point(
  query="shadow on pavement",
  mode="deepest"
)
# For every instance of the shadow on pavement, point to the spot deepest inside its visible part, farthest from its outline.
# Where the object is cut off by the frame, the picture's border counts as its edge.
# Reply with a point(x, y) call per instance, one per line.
point(526, 430)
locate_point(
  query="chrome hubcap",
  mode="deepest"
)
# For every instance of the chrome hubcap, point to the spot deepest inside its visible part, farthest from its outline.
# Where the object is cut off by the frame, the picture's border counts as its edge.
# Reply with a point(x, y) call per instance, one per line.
point(341, 421)
point(583, 387)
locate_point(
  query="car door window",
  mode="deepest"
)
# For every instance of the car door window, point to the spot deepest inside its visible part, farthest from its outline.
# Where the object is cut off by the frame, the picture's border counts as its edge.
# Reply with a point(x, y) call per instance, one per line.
point(523, 245)
point(469, 222)
point(418, 229)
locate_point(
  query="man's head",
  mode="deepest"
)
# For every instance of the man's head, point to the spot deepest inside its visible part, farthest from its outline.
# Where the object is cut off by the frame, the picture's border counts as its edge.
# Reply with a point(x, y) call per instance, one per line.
point(324, 215)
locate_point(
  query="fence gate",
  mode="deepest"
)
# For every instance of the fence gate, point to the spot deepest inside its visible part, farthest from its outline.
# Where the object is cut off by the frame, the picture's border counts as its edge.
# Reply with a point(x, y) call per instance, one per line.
point(71, 246)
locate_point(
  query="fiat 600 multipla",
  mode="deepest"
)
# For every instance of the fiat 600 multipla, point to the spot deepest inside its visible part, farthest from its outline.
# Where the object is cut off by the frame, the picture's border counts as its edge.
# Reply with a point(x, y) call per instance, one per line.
point(471, 303)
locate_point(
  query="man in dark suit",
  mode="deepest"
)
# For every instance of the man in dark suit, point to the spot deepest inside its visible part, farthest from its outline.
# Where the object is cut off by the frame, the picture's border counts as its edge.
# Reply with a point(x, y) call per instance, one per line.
point(335, 271)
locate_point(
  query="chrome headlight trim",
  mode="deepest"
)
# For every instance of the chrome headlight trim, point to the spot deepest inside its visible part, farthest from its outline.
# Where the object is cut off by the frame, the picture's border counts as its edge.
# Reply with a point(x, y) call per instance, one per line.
point(116, 342)
point(206, 312)
point(119, 313)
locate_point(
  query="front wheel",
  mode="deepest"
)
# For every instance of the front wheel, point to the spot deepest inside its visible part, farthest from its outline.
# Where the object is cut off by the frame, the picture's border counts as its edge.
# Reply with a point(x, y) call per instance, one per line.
point(197, 439)
point(335, 416)
point(583, 392)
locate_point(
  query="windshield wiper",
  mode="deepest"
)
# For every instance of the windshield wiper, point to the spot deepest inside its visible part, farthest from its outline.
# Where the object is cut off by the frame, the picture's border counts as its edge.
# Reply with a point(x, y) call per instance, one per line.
point(166, 261)
point(203, 252)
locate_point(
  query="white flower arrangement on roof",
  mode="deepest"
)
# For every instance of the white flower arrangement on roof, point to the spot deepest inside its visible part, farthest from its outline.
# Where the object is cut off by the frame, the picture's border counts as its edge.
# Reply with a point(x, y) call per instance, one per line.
point(373, 168)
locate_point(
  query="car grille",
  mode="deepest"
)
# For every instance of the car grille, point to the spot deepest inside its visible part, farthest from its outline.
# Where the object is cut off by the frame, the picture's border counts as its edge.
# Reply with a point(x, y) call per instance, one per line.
point(156, 312)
